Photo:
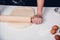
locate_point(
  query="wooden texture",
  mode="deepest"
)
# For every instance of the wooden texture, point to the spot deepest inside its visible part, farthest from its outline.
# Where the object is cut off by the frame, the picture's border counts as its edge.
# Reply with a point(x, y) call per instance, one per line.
point(17, 19)
point(19, 14)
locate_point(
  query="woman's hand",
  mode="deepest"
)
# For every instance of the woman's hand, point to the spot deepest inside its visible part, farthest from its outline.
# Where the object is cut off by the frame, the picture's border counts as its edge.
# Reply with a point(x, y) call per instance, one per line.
point(37, 19)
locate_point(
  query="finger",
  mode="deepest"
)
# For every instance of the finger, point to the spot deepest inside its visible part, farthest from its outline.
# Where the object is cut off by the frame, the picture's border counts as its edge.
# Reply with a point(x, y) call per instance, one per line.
point(39, 20)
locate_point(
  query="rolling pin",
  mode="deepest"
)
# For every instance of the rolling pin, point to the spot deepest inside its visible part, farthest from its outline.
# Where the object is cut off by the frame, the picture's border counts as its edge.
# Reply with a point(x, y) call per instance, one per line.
point(16, 19)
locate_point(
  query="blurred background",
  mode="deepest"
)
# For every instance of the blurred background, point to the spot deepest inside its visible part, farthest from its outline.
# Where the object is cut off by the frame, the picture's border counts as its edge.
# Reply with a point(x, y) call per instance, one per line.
point(47, 3)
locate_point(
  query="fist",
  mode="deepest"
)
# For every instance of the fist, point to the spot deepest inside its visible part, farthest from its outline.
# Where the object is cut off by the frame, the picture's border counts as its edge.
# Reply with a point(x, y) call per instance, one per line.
point(36, 19)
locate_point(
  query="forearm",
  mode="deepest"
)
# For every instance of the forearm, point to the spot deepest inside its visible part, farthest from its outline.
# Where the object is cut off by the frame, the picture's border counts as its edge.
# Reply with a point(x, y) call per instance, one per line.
point(40, 4)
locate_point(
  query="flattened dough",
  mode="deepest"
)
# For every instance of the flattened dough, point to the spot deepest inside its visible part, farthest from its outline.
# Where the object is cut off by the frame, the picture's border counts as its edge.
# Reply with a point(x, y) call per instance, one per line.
point(22, 11)
point(19, 25)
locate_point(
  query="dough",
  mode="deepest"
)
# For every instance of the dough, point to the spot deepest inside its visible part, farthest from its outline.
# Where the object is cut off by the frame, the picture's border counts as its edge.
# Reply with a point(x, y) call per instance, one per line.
point(22, 11)
point(19, 25)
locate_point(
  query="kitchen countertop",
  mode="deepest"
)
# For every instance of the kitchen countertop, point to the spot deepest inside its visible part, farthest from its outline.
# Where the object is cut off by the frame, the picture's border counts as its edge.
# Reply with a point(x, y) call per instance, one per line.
point(33, 32)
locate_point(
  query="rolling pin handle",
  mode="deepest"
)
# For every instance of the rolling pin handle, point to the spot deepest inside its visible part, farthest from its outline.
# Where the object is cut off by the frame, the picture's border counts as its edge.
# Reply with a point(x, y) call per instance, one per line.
point(31, 20)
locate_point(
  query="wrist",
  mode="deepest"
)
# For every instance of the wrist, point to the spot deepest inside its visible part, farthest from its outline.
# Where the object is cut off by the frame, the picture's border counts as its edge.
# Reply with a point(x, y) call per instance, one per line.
point(40, 14)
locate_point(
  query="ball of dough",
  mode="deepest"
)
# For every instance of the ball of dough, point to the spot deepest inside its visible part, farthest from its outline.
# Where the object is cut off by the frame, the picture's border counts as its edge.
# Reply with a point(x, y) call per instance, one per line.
point(57, 37)
point(55, 27)
point(53, 31)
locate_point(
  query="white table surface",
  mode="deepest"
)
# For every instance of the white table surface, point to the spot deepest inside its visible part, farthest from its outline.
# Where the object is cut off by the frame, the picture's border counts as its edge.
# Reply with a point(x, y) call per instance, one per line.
point(34, 32)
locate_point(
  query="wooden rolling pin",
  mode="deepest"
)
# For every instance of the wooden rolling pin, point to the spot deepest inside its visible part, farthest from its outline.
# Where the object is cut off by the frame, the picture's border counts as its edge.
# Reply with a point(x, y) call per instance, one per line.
point(16, 19)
